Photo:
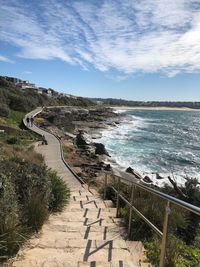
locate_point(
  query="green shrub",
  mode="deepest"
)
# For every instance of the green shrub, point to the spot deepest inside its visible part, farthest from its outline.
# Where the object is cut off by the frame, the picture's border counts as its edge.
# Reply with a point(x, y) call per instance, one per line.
point(11, 234)
point(13, 140)
point(4, 110)
point(28, 180)
point(8, 203)
point(35, 211)
point(178, 254)
point(27, 193)
point(60, 193)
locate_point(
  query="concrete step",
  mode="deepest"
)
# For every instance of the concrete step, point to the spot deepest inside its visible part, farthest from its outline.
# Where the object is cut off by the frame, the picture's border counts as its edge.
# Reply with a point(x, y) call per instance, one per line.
point(85, 198)
point(87, 204)
point(54, 255)
point(103, 234)
point(78, 193)
point(61, 263)
point(77, 209)
point(81, 223)
point(74, 243)
point(84, 229)
point(65, 220)
point(87, 213)
point(119, 263)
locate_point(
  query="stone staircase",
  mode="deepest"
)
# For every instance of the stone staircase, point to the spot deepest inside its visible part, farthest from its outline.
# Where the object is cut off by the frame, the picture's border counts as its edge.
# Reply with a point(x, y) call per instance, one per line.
point(85, 234)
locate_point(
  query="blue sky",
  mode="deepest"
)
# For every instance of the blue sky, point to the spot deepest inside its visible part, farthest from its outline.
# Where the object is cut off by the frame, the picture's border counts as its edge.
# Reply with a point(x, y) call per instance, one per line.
point(142, 50)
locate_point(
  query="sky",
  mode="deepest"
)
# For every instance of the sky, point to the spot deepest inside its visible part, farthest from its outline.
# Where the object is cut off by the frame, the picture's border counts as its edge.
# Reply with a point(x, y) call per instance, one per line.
point(139, 49)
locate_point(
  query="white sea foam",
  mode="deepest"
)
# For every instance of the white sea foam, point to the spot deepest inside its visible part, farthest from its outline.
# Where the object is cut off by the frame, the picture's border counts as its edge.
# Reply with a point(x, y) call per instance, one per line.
point(118, 111)
point(159, 144)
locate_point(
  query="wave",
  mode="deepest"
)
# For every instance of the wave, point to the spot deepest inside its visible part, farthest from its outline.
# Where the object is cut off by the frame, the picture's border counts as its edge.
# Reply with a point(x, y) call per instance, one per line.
point(156, 143)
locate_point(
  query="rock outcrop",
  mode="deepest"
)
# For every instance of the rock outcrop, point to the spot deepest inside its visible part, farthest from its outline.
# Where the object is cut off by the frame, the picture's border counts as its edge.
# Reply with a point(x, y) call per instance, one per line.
point(147, 179)
point(83, 139)
point(100, 149)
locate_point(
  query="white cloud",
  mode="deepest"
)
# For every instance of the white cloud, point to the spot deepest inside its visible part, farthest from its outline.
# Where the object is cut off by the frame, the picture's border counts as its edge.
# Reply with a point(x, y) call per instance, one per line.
point(129, 36)
point(5, 59)
point(27, 72)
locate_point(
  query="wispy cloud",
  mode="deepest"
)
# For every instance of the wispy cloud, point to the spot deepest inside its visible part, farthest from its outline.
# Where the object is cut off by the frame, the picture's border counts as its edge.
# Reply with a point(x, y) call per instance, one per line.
point(27, 72)
point(128, 36)
point(5, 59)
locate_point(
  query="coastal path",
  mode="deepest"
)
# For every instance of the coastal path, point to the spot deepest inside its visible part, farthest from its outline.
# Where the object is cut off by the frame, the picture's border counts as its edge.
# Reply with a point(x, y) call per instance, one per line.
point(86, 233)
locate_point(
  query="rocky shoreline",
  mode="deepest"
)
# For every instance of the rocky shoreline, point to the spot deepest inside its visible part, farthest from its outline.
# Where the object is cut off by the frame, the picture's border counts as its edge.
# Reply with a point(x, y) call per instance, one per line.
point(78, 128)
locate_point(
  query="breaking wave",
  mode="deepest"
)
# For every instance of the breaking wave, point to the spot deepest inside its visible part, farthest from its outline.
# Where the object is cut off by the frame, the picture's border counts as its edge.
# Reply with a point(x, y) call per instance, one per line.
point(157, 141)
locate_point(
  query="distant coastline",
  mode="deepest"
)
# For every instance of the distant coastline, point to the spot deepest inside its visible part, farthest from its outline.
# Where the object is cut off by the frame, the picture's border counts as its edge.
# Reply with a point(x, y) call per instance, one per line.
point(152, 108)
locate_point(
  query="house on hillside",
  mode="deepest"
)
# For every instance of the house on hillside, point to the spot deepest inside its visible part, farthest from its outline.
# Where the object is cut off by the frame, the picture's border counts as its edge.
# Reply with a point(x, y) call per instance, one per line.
point(45, 91)
point(67, 95)
point(25, 85)
point(12, 79)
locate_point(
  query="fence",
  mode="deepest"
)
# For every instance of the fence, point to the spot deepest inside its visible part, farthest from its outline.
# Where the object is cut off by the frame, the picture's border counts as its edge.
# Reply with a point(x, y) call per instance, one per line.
point(169, 200)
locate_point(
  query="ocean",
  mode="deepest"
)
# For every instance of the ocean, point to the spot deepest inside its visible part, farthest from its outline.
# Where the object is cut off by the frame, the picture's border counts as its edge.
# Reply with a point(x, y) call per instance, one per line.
point(157, 141)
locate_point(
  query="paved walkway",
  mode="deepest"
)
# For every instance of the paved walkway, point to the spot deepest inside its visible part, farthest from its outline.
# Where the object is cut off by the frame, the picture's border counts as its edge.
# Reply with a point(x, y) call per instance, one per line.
point(52, 155)
point(85, 234)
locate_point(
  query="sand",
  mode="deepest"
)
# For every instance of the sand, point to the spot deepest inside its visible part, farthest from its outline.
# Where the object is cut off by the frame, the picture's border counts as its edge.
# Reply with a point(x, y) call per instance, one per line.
point(152, 108)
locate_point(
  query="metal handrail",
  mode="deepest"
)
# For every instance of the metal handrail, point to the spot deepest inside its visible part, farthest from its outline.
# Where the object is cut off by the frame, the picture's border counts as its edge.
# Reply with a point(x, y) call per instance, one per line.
point(162, 195)
point(140, 214)
point(169, 199)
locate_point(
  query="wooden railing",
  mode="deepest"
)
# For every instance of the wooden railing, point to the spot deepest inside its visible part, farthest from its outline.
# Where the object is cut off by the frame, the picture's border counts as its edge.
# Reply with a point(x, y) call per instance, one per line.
point(168, 201)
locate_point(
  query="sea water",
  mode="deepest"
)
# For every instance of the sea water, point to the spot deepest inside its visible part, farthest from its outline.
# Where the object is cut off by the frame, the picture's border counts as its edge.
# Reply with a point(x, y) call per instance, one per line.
point(157, 141)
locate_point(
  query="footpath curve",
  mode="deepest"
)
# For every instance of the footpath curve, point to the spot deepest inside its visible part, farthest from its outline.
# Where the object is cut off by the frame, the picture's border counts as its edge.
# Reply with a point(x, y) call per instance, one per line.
point(52, 153)
point(85, 234)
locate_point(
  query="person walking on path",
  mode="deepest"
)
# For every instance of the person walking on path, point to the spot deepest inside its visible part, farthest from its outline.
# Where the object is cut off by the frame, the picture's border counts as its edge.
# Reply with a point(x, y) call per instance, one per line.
point(44, 141)
point(28, 121)
point(32, 121)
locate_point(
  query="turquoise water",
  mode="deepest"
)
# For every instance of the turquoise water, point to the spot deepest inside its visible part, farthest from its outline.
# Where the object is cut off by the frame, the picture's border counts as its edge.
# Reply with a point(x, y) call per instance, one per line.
point(163, 141)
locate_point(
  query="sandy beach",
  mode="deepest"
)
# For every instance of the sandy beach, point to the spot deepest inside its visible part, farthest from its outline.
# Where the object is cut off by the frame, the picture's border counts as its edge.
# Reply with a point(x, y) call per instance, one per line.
point(152, 108)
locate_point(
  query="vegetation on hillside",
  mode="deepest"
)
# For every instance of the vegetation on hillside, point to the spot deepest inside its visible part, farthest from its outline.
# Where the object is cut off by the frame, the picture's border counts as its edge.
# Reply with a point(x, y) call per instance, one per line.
point(29, 191)
point(13, 98)
point(131, 103)
point(183, 245)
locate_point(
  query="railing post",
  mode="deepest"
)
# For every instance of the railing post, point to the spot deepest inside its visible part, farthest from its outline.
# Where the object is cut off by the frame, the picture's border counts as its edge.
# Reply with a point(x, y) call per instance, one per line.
point(118, 186)
point(164, 238)
point(105, 186)
point(130, 212)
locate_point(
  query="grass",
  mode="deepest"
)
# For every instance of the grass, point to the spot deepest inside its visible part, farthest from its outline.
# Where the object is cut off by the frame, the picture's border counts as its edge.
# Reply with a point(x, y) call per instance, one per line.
point(29, 192)
point(67, 151)
point(60, 193)
point(14, 119)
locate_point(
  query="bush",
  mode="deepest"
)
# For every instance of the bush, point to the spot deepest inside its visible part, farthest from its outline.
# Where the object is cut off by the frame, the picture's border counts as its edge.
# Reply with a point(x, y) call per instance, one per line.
point(35, 211)
point(27, 193)
point(60, 193)
point(11, 234)
point(178, 254)
point(29, 180)
point(4, 110)
point(13, 140)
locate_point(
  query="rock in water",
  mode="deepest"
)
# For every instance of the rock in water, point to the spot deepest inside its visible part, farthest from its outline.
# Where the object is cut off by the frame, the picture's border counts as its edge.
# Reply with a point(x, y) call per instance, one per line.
point(83, 139)
point(108, 167)
point(100, 149)
point(147, 179)
point(158, 176)
point(130, 170)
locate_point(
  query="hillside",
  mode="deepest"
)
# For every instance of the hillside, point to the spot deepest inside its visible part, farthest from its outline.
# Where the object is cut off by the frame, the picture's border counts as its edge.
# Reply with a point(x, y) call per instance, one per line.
point(131, 103)
point(13, 98)
point(29, 191)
